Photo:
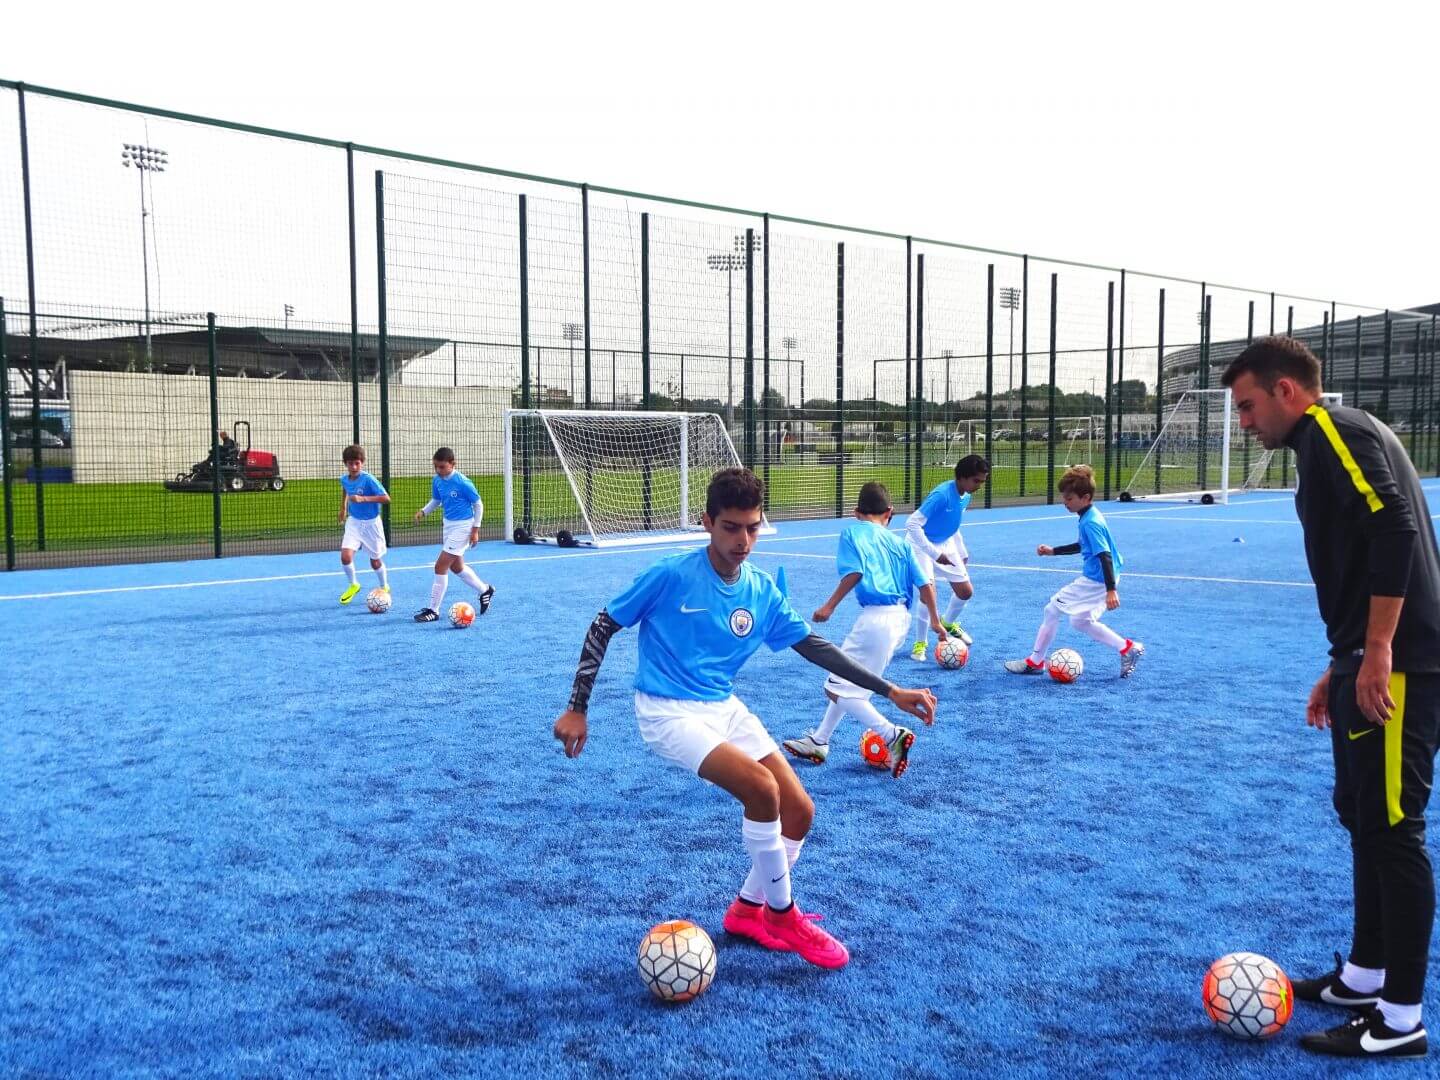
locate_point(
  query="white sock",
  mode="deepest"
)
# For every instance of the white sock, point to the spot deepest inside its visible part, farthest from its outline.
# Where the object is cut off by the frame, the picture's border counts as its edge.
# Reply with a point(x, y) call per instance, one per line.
point(437, 591)
point(1400, 1017)
point(754, 887)
point(1092, 628)
point(349, 569)
point(1046, 634)
point(1361, 979)
point(469, 577)
point(767, 856)
point(383, 573)
point(952, 612)
point(833, 715)
point(867, 714)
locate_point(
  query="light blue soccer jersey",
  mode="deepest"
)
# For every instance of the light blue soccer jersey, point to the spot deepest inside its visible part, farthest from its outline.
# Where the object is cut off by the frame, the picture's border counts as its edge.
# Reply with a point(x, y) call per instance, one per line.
point(1095, 537)
point(696, 631)
point(364, 484)
point(456, 495)
point(943, 508)
point(889, 569)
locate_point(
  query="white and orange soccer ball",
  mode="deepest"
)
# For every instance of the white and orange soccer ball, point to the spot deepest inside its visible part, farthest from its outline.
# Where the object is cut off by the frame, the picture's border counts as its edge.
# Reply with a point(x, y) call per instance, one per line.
point(1247, 995)
point(378, 601)
point(676, 961)
point(874, 750)
point(461, 615)
point(952, 653)
point(1065, 665)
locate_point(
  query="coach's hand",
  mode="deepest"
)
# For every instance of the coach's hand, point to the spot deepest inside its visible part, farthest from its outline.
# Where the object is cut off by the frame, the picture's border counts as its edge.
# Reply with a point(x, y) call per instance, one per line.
point(919, 703)
point(1372, 685)
point(570, 729)
point(1317, 709)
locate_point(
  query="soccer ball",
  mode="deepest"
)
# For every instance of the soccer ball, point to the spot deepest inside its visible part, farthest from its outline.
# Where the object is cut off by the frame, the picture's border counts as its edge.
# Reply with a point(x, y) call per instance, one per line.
point(1247, 995)
point(461, 615)
point(676, 960)
point(874, 750)
point(952, 653)
point(378, 601)
point(1065, 665)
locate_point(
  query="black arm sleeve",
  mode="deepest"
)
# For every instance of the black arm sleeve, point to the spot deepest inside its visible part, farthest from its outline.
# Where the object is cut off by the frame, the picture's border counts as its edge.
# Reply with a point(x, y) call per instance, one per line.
point(1067, 549)
point(1107, 564)
point(1373, 500)
point(597, 640)
point(824, 654)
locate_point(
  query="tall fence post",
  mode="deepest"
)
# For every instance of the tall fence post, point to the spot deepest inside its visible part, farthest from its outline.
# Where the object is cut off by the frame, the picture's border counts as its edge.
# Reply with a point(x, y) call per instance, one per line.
point(1385, 375)
point(750, 349)
point(840, 379)
point(354, 300)
point(1050, 436)
point(1202, 478)
point(585, 282)
point(1324, 347)
point(36, 458)
point(527, 492)
point(989, 376)
point(1109, 374)
point(911, 498)
point(766, 417)
point(1159, 391)
point(1415, 400)
point(1355, 388)
point(216, 524)
point(1024, 361)
point(916, 447)
point(1245, 443)
point(382, 346)
point(5, 440)
point(647, 481)
point(1434, 397)
point(1119, 387)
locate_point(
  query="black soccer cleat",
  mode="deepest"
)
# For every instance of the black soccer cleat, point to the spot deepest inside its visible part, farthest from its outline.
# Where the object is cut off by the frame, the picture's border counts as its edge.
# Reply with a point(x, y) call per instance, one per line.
point(427, 615)
point(483, 600)
point(1329, 990)
point(1365, 1035)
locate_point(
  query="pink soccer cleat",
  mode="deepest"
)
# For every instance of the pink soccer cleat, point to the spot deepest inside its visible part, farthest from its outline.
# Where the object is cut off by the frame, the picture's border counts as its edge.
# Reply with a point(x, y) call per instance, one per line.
point(798, 932)
point(747, 920)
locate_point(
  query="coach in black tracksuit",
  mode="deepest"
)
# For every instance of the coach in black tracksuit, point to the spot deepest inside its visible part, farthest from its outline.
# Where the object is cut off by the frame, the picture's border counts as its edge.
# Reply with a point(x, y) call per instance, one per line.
point(1372, 553)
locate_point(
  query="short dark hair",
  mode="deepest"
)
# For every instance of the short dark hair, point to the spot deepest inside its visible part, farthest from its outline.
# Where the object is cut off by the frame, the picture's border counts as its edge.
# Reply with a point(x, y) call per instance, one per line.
point(733, 489)
point(353, 452)
point(1274, 358)
point(444, 454)
point(874, 498)
point(1078, 480)
point(972, 465)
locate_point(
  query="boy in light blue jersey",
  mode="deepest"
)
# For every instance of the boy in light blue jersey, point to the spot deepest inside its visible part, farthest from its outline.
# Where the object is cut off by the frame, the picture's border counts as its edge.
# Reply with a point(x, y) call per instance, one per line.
point(1091, 594)
point(460, 531)
point(884, 571)
point(360, 514)
point(933, 529)
point(701, 615)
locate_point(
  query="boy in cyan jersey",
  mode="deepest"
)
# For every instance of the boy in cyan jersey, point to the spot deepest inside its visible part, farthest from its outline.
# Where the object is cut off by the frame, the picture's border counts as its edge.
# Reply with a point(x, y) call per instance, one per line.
point(883, 571)
point(1091, 594)
point(702, 614)
point(462, 511)
point(360, 514)
point(934, 531)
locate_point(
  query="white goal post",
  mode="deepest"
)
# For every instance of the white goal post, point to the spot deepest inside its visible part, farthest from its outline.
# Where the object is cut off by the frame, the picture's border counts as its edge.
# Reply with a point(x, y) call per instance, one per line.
point(1189, 459)
point(601, 478)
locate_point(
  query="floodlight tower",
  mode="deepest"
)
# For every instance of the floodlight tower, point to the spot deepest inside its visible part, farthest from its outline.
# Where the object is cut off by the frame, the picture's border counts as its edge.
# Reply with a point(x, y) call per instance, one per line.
point(729, 262)
point(145, 159)
point(1010, 299)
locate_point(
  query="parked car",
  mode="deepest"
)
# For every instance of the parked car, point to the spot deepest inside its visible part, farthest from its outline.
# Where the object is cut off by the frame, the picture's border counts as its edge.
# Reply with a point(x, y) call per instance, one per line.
point(23, 437)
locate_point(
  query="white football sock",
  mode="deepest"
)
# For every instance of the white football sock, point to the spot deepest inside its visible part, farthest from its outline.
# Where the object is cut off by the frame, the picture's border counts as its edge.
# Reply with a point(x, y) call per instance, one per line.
point(349, 569)
point(383, 573)
point(1400, 1017)
point(754, 888)
point(1092, 628)
point(867, 714)
point(767, 856)
point(833, 715)
point(956, 605)
point(437, 591)
point(1046, 634)
point(469, 577)
point(1361, 979)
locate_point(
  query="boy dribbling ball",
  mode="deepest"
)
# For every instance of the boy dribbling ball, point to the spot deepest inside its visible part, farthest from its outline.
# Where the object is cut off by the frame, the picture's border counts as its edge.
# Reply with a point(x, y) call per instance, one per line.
point(462, 511)
point(360, 514)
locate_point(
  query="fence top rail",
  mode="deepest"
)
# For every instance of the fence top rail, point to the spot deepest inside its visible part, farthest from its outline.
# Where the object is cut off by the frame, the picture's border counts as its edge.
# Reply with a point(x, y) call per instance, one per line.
point(611, 414)
point(427, 159)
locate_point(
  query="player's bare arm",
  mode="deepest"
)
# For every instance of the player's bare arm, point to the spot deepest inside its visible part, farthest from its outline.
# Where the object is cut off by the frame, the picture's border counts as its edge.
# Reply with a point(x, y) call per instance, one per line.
point(825, 610)
point(927, 597)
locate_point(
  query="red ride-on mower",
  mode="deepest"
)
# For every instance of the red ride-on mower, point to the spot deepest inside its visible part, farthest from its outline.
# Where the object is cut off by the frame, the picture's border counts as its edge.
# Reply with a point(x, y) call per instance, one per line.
point(240, 470)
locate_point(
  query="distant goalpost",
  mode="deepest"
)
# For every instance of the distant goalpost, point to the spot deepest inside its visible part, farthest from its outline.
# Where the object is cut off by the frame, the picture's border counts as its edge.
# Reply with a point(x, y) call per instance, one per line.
point(604, 478)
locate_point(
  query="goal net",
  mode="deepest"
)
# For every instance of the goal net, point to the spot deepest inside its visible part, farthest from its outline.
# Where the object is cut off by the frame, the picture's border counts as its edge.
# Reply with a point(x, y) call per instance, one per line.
point(1190, 457)
point(603, 478)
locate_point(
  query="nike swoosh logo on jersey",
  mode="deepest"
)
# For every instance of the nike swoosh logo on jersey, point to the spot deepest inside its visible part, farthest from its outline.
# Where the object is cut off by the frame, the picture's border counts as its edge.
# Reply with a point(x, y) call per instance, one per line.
point(1360, 734)
point(1374, 1045)
point(691, 610)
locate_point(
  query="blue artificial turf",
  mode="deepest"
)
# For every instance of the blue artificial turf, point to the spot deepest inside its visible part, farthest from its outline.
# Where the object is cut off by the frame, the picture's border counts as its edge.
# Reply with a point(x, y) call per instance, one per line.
point(247, 832)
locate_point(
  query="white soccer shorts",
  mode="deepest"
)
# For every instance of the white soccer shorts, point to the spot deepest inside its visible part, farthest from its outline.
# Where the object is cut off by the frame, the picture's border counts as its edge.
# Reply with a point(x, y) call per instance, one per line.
point(872, 641)
point(955, 549)
point(455, 537)
point(685, 732)
point(1081, 597)
point(369, 535)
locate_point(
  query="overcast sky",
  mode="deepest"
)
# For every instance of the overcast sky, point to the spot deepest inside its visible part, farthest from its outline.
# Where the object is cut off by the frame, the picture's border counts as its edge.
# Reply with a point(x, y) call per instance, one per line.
point(1284, 146)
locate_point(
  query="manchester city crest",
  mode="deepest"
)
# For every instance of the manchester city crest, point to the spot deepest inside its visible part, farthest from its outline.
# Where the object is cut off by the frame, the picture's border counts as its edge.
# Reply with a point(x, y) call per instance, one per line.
point(741, 622)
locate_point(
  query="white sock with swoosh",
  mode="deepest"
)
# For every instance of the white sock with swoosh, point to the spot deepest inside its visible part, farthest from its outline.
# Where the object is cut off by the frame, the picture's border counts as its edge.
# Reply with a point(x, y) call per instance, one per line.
point(767, 856)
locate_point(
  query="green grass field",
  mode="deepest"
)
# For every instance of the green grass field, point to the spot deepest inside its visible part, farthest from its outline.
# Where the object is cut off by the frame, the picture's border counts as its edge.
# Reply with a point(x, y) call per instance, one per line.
point(85, 516)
